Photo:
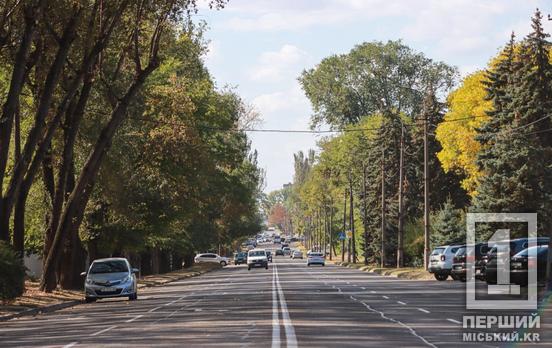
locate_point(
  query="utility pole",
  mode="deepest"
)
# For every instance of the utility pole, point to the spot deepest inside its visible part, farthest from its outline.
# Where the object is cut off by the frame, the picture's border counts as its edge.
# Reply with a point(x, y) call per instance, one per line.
point(331, 228)
point(426, 183)
point(352, 241)
point(383, 207)
point(325, 229)
point(344, 225)
point(400, 237)
point(365, 213)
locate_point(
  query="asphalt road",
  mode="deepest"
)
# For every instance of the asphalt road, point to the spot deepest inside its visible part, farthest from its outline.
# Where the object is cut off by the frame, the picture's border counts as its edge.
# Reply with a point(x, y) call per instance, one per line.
point(288, 305)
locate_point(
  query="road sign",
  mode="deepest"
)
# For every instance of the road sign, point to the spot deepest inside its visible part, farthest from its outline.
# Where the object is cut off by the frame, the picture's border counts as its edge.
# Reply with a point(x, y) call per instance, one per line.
point(349, 234)
point(341, 236)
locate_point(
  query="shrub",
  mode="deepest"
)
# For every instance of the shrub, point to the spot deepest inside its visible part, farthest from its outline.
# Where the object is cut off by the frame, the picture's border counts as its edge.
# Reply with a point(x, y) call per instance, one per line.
point(12, 273)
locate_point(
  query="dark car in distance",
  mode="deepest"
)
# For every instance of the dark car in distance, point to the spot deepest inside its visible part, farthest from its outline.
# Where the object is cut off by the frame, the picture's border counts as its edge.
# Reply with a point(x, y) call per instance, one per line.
point(279, 252)
point(520, 264)
point(240, 258)
point(465, 256)
point(516, 245)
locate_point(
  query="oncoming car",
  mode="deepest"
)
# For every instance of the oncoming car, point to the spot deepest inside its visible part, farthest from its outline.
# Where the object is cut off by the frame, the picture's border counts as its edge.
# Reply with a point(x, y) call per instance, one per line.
point(257, 258)
point(111, 277)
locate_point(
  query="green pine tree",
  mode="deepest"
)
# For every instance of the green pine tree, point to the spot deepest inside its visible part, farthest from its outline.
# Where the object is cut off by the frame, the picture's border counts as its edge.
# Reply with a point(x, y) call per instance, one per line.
point(515, 159)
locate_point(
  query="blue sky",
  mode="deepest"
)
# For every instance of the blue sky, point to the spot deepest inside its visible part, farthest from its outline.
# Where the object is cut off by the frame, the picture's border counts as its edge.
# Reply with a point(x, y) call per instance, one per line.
point(260, 47)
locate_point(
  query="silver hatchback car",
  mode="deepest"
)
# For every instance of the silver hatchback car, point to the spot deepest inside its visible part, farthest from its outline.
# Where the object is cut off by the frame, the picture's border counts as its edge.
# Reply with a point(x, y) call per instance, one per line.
point(111, 277)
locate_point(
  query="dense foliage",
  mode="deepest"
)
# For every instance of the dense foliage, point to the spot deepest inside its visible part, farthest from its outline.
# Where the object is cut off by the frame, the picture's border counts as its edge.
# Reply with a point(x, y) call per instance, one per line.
point(489, 145)
point(115, 140)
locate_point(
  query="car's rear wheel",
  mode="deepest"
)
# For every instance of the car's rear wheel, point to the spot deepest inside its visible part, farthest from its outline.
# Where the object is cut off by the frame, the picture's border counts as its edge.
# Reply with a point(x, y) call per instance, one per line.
point(89, 299)
point(308, 264)
point(441, 277)
point(249, 268)
point(223, 263)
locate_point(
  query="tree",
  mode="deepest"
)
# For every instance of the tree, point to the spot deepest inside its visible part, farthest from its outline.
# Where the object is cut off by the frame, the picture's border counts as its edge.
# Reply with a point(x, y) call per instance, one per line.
point(448, 225)
point(516, 179)
point(467, 111)
point(344, 88)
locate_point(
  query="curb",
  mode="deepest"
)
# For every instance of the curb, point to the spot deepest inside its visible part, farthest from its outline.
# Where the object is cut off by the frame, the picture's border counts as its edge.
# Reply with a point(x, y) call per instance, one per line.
point(378, 271)
point(64, 305)
point(41, 310)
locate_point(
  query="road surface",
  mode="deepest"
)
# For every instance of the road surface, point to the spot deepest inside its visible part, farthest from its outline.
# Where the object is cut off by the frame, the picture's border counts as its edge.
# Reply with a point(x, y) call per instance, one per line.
point(288, 305)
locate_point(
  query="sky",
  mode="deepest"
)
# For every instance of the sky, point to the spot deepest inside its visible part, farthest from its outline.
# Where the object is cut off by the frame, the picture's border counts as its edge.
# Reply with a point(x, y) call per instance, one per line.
point(260, 48)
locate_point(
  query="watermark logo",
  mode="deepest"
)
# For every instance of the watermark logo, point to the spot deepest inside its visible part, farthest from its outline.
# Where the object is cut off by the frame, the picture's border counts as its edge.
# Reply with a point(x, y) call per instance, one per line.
point(502, 295)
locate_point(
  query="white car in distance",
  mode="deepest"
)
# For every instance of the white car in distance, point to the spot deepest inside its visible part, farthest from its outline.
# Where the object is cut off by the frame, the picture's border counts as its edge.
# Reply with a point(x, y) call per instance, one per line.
point(210, 257)
point(316, 258)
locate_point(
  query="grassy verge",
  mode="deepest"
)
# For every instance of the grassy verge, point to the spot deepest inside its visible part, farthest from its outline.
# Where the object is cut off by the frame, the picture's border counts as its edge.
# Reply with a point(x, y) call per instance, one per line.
point(403, 273)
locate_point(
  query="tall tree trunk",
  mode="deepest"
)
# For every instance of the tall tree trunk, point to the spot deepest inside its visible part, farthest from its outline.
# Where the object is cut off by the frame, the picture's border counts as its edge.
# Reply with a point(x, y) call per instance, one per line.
point(12, 103)
point(45, 100)
point(19, 215)
point(90, 170)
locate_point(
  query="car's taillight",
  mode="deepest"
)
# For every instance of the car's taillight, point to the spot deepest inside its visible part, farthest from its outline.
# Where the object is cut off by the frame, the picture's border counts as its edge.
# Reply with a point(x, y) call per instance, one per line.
point(443, 257)
point(470, 258)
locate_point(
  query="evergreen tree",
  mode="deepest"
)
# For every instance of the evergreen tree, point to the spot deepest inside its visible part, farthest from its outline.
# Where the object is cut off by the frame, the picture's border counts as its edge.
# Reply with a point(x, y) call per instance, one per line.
point(447, 225)
point(516, 176)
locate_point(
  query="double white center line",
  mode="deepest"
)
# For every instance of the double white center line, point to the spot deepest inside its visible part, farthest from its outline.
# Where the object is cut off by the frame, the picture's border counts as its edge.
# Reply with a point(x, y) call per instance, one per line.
point(291, 340)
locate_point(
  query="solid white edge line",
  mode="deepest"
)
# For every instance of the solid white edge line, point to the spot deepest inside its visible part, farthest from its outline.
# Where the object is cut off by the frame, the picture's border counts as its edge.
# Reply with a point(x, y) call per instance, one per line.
point(291, 340)
point(103, 331)
point(72, 344)
point(454, 321)
point(423, 310)
point(275, 314)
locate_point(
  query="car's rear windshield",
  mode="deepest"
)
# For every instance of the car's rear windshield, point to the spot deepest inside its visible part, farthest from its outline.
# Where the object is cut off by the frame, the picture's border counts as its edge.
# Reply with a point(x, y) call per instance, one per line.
point(438, 251)
point(114, 266)
point(257, 253)
point(315, 254)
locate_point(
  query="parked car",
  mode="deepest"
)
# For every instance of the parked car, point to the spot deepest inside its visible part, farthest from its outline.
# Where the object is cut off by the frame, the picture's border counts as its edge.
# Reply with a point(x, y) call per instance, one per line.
point(316, 258)
point(209, 257)
point(467, 254)
point(112, 277)
point(240, 258)
point(297, 254)
point(257, 258)
point(516, 245)
point(279, 252)
point(269, 255)
point(521, 262)
point(440, 261)
point(519, 265)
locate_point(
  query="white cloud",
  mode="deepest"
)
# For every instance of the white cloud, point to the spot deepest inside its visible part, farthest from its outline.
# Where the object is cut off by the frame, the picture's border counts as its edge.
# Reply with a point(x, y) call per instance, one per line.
point(278, 65)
